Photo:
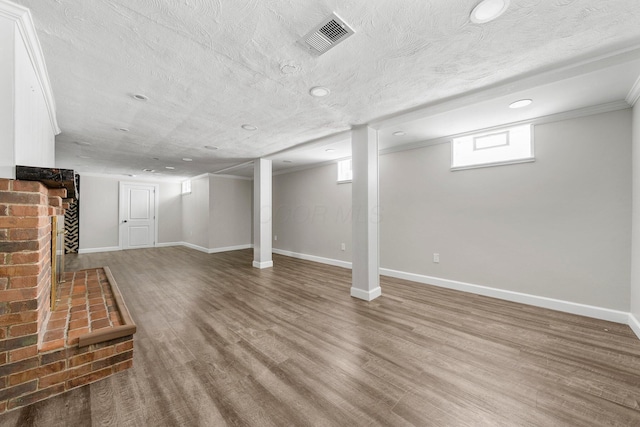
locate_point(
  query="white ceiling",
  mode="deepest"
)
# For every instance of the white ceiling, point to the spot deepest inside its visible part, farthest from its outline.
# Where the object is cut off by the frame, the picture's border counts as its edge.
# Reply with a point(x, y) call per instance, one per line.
point(209, 67)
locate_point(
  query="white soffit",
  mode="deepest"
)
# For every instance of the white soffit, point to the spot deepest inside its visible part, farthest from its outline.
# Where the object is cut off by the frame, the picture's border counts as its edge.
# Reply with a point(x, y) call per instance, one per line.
point(21, 16)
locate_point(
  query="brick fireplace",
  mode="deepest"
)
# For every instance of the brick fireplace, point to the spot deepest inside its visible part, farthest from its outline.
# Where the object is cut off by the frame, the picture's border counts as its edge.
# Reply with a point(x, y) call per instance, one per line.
point(46, 351)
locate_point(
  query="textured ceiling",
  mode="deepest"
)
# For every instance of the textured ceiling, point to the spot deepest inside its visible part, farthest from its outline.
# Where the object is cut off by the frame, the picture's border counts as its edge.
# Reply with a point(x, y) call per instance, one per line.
point(210, 66)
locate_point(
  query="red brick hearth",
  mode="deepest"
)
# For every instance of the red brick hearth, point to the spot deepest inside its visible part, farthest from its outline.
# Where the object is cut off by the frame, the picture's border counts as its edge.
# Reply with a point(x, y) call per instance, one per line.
point(89, 333)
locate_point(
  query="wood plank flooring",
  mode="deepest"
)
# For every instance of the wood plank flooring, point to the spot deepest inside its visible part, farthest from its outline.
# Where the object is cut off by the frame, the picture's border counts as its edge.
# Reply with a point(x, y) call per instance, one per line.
point(221, 343)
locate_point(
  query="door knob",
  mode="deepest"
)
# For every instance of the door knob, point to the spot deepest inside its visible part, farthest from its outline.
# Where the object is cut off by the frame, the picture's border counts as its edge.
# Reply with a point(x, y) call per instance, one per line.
point(124, 220)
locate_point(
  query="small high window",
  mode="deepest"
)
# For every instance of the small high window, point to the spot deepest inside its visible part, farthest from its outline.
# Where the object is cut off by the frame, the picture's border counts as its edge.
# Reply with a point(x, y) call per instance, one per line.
point(345, 173)
point(505, 146)
point(186, 187)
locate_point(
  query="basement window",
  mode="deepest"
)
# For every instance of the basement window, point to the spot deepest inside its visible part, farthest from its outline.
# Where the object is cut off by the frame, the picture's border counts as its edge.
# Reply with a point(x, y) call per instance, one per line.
point(186, 187)
point(498, 147)
point(345, 172)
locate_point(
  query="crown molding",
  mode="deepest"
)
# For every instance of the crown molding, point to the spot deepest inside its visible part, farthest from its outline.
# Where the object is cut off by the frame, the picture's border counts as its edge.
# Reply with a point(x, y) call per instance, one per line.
point(24, 22)
point(566, 115)
point(634, 93)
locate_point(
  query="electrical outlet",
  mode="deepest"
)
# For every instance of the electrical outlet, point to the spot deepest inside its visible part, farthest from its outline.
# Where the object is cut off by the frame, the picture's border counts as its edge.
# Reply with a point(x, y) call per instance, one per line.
point(436, 257)
point(343, 247)
point(275, 238)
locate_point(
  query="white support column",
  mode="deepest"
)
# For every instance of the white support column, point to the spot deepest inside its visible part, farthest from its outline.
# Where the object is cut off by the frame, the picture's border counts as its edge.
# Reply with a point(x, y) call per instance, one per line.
point(365, 214)
point(262, 210)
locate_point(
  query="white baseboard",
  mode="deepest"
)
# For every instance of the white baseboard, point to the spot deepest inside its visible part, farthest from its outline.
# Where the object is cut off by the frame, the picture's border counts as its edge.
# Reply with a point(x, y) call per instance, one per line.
point(206, 250)
point(96, 250)
point(168, 244)
point(329, 261)
point(366, 295)
point(264, 264)
point(634, 324)
point(538, 301)
point(230, 248)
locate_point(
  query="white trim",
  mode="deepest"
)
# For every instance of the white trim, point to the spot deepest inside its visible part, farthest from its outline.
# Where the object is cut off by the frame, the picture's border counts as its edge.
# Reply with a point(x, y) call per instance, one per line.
point(534, 300)
point(157, 179)
point(329, 261)
point(231, 248)
point(566, 115)
point(169, 244)
point(24, 23)
point(634, 93)
point(264, 264)
point(366, 295)
point(634, 324)
point(96, 250)
point(246, 178)
point(196, 247)
point(205, 250)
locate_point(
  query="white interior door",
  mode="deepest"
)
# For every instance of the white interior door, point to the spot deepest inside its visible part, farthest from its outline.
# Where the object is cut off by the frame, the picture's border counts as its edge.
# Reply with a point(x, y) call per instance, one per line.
point(137, 215)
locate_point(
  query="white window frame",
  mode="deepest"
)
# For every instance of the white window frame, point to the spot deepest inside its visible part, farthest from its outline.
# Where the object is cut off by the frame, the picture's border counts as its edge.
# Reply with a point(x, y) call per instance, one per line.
point(343, 177)
point(186, 187)
point(472, 139)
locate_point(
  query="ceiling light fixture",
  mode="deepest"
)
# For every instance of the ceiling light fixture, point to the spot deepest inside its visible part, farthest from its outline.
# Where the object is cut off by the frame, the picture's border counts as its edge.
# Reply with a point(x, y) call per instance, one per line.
point(319, 91)
point(521, 103)
point(186, 159)
point(399, 133)
point(210, 147)
point(169, 167)
point(140, 97)
point(123, 129)
point(249, 127)
point(488, 10)
point(82, 143)
point(148, 170)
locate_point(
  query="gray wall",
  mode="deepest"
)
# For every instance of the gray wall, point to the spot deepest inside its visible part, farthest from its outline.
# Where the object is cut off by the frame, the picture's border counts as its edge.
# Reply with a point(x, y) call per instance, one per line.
point(559, 227)
point(312, 213)
point(635, 255)
point(195, 213)
point(98, 212)
point(230, 207)
point(99, 201)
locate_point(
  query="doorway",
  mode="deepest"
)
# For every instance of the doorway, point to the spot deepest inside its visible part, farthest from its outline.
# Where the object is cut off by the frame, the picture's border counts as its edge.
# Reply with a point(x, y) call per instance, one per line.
point(138, 215)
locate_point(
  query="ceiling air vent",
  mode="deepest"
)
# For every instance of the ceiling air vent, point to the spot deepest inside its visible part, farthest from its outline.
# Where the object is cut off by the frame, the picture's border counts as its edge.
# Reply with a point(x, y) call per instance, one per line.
point(326, 35)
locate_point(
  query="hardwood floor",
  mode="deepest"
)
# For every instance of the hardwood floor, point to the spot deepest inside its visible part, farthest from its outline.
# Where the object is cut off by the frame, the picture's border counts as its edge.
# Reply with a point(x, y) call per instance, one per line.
point(221, 343)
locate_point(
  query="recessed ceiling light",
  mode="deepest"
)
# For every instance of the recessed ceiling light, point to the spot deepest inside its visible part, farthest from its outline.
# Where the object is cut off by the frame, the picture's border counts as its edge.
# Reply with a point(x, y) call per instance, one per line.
point(521, 103)
point(329, 150)
point(287, 161)
point(140, 97)
point(131, 174)
point(186, 159)
point(82, 143)
point(148, 170)
point(399, 133)
point(210, 147)
point(319, 91)
point(249, 127)
point(123, 129)
point(488, 10)
point(169, 167)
